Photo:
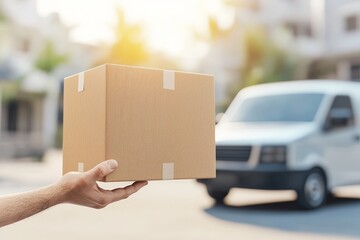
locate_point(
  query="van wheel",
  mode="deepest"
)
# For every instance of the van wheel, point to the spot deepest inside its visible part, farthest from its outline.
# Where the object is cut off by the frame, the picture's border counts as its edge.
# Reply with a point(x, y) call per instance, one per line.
point(313, 192)
point(217, 195)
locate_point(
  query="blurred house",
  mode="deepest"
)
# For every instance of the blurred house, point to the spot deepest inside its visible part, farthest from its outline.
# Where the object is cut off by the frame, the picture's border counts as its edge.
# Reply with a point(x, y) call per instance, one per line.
point(30, 94)
point(325, 35)
point(223, 61)
point(336, 26)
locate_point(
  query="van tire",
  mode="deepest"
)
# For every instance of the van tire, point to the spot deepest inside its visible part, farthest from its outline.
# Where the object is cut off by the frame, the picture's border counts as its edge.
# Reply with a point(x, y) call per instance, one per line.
point(313, 193)
point(217, 195)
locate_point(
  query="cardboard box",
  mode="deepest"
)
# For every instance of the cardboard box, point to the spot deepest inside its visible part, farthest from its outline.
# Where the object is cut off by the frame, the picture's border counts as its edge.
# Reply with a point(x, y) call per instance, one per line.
point(158, 124)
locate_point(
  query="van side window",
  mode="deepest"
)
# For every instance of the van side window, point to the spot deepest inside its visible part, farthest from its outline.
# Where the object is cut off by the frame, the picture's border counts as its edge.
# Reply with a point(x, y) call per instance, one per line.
point(341, 114)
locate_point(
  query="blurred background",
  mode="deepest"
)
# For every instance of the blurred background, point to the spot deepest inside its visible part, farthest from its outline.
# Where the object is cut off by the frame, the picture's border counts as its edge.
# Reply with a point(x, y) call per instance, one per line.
point(241, 42)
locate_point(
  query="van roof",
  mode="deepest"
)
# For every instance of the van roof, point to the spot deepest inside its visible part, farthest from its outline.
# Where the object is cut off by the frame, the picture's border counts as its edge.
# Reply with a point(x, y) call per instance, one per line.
point(304, 86)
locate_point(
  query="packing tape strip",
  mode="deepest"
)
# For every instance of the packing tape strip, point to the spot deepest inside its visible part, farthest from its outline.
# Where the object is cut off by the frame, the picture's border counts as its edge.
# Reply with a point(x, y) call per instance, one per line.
point(80, 167)
point(81, 82)
point(169, 80)
point(168, 171)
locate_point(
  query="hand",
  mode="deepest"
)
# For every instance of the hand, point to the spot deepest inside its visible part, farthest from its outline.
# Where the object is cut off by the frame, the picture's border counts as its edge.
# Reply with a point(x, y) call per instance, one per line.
point(82, 189)
point(76, 188)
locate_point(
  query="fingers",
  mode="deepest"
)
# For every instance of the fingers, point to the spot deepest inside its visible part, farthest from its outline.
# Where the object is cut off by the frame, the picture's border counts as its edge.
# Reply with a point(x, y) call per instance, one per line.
point(122, 193)
point(102, 169)
point(136, 186)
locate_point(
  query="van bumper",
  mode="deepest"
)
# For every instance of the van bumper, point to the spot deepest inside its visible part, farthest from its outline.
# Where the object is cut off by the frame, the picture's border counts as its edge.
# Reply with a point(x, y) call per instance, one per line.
point(262, 177)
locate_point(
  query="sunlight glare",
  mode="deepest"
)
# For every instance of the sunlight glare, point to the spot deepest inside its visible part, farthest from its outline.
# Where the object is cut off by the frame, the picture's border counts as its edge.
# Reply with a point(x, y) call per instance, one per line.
point(169, 25)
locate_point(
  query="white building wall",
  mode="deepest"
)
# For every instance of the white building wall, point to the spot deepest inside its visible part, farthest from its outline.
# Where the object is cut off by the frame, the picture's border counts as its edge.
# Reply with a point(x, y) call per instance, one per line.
point(341, 41)
point(329, 41)
point(23, 37)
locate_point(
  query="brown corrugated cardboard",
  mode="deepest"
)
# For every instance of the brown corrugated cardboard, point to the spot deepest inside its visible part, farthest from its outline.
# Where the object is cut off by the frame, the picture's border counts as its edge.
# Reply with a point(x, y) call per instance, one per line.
point(157, 124)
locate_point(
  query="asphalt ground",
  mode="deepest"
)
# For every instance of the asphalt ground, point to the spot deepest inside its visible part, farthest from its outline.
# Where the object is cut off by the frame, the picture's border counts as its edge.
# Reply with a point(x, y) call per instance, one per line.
point(177, 209)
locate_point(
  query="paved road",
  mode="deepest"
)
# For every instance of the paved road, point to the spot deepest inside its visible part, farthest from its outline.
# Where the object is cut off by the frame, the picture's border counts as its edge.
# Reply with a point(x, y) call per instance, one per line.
point(178, 210)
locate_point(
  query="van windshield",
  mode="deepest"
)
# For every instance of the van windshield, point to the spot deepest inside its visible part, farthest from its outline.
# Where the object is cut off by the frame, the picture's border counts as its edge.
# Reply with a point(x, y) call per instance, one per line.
point(278, 108)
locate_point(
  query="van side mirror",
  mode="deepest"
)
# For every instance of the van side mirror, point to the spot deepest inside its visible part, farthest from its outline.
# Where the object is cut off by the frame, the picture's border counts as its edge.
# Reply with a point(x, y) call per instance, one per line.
point(338, 118)
point(218, 117)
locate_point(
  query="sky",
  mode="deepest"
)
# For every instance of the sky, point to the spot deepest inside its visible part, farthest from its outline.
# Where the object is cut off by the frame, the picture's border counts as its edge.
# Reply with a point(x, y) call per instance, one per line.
point(169, 25)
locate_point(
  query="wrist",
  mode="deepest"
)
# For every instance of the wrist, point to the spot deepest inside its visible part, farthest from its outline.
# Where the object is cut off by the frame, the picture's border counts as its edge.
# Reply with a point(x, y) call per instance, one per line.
point(55, 194)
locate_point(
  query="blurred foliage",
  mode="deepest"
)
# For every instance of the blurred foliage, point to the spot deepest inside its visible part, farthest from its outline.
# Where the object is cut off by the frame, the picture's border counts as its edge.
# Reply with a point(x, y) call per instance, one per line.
point(129, 47)
point(59, 137)
point(2, 15)
point(214, 31)
point(265, 61)
point(9, 90)
point(49, 59)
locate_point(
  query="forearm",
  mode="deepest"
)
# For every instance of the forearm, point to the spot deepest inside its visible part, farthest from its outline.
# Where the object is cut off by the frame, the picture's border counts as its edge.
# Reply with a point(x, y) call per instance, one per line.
point(75, 188)
point(16, 207)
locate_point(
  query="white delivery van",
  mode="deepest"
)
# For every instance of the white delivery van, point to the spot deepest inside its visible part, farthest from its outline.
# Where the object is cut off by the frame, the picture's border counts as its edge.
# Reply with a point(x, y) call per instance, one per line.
point(299, 135)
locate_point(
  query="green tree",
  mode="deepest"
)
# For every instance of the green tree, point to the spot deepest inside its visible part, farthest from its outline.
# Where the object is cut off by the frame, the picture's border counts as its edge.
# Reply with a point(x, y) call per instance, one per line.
point(265, 61)
point(2, 15)
point(48, 59)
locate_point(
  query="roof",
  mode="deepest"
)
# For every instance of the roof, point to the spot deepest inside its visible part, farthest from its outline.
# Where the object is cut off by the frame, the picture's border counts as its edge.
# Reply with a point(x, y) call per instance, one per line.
point(304, 86)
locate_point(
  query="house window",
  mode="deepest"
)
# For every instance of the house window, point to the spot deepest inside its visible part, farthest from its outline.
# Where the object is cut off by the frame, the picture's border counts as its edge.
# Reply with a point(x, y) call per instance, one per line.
point(307, 31)
point(24, 45)
point(351, 23)
point(12, 116)
point(355, 72)
point(19, 115)
point(299, 29)
point(292, 28)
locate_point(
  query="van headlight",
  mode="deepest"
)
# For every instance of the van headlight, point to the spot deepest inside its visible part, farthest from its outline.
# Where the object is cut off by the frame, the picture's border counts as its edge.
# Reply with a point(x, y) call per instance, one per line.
point(273, 154)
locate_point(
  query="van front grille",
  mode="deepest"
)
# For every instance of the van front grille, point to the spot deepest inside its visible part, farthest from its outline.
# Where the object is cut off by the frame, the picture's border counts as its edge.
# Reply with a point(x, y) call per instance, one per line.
point(233, 153)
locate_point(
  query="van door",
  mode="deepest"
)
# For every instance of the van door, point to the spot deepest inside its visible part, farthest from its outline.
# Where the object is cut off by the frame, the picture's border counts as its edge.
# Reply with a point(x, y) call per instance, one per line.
point(341, 142)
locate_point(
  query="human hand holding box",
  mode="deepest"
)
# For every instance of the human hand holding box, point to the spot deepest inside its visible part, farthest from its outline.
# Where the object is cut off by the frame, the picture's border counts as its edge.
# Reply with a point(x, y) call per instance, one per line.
point(157, 124)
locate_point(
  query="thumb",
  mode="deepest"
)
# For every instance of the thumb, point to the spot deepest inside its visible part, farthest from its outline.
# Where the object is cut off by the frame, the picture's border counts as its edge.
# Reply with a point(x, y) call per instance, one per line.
point(103, 169)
